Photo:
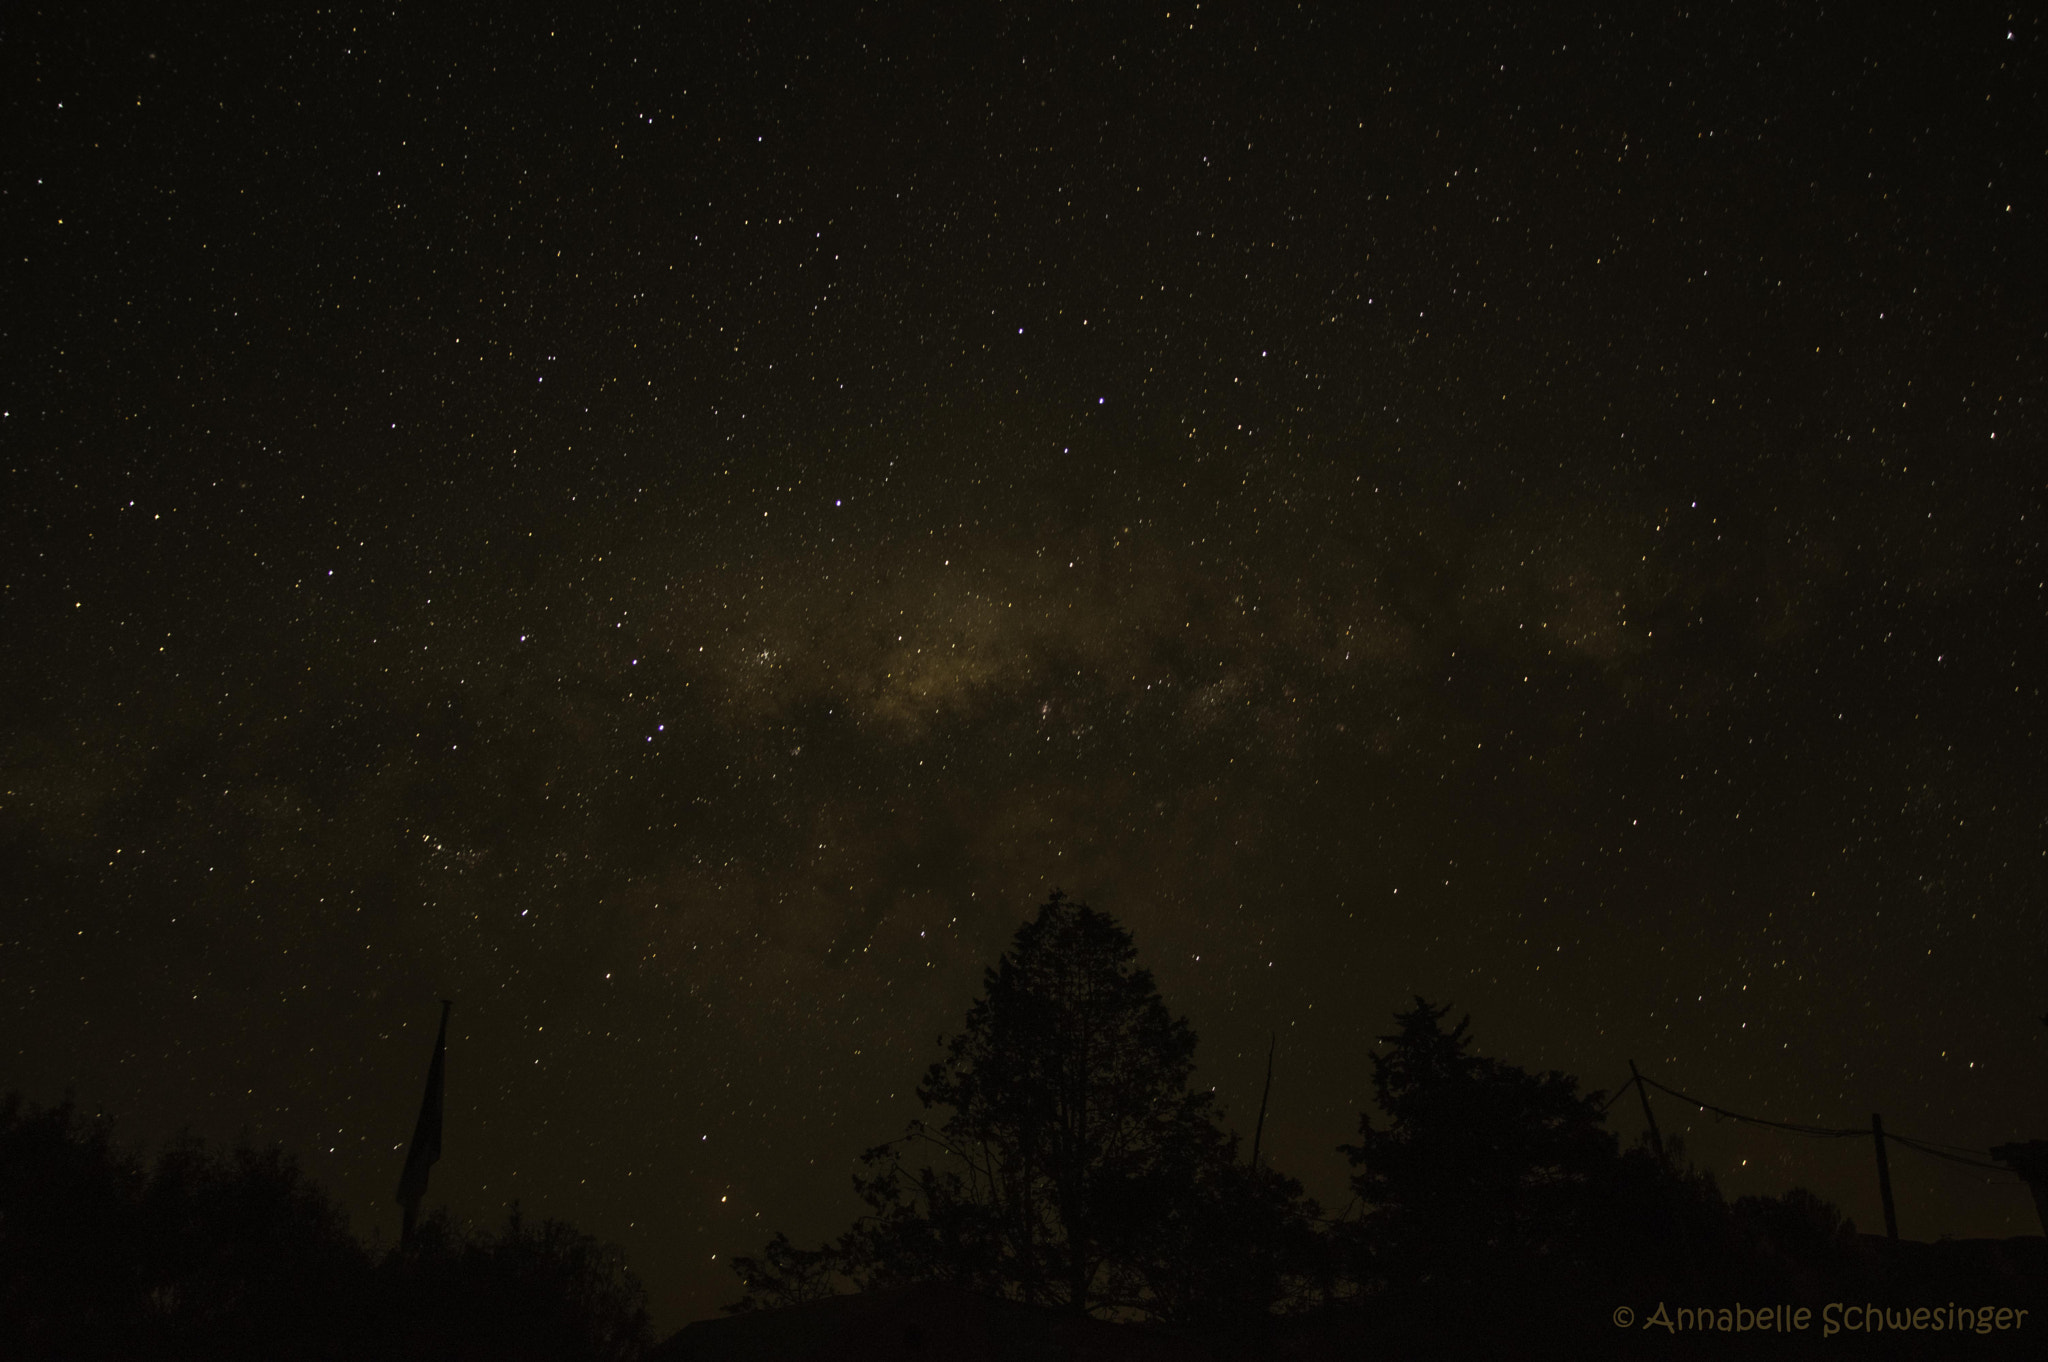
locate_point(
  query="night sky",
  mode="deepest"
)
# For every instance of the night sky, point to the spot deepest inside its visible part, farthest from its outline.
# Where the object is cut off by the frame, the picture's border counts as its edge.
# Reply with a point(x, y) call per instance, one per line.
point(677, 533)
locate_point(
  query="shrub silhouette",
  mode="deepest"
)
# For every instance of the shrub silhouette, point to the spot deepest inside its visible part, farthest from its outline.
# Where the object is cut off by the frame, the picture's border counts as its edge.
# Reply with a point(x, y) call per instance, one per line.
point(536, 1292)
point(201, 1254)
point(73, 1274)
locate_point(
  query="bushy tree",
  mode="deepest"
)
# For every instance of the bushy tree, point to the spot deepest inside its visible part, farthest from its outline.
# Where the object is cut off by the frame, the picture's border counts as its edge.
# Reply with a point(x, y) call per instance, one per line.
point(1069, 1125)
point(73, 1271)
point(1069, 1165)
point(238, 1255)
point(1235, 1245)
point(536, 1292)
point(199, 1254)
point(246, 1253)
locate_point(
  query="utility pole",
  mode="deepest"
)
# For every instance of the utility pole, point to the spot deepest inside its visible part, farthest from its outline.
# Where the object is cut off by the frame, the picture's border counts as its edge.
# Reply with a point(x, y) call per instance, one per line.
point(1884, 1176)
point(1259, 1132)
point(1656, 1138)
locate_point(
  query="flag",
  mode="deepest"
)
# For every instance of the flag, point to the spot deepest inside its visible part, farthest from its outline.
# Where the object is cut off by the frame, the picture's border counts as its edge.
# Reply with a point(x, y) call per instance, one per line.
point(426, 1135)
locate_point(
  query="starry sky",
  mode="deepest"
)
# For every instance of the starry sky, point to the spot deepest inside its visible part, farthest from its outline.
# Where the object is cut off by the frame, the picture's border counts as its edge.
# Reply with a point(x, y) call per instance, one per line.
point(677, 532)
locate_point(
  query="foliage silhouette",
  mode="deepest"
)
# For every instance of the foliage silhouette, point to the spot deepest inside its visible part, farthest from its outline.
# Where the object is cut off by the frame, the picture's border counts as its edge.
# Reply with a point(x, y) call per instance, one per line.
point(785, 1275)
point(1072, 1166)
point(1497, 1197)
point(72, 1277)
point(1482, 1166)
point(244, 1250)
point(235, 1255)
point(547, 1293)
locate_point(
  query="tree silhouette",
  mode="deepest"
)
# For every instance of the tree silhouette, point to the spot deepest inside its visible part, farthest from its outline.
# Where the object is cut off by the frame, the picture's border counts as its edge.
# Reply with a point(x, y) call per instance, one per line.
point(1074, 1168)
point(1483, 1168)
point(1235, 1245)
point(529, 1292)
point(201, 1254)
point(198, 1255)
point(785, 1275)
point(244, 1251)
point(73, 1271)
point(1497, 1199)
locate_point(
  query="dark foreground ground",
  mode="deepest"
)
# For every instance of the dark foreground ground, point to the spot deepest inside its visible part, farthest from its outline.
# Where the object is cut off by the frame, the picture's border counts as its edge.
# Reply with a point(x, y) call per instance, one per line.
point(1958, 1298)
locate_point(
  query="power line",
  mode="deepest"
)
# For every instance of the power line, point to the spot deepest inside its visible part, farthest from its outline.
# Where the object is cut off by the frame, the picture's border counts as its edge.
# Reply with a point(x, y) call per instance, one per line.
point(1952, 1148)
point(1953, 1153)
point(1952, 1158)
point(1819, 1132)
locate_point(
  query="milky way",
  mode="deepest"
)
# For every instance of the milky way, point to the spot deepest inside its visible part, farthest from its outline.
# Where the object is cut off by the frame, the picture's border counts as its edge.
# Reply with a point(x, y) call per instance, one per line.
point(677, 537)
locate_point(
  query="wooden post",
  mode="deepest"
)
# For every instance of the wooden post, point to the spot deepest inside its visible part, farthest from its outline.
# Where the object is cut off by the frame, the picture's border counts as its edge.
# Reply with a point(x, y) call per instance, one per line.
point(1656, 1137)
point(1884, 1177)
point(1259, 1132)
